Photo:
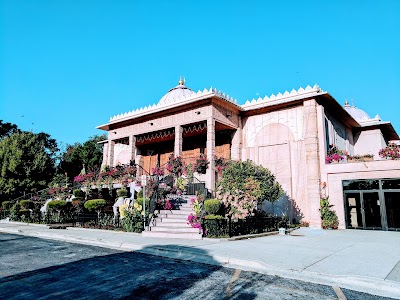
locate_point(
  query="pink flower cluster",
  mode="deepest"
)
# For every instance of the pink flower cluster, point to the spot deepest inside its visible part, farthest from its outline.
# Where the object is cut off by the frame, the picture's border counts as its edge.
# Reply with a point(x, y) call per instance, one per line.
point(194, 221)
point(158, 171)
point(392, 151)
point(334, 157)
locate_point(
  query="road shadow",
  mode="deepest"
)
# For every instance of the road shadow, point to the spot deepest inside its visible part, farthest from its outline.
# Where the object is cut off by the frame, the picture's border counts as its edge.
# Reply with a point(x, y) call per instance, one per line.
point(119, 275)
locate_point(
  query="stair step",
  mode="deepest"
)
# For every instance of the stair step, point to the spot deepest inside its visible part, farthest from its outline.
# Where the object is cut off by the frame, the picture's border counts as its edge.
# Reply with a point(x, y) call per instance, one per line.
point(175, 229)
point(174, 212)
point(164, 216)
point(170, 223)
point(169, 235)
point(172, 220)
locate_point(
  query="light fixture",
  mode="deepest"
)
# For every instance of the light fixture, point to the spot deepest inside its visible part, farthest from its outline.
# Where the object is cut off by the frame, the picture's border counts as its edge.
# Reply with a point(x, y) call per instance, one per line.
point(198, 112)
point(151, 123)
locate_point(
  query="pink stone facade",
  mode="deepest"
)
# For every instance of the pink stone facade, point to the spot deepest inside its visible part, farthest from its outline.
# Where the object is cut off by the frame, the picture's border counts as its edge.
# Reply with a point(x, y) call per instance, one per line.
point(288, 133)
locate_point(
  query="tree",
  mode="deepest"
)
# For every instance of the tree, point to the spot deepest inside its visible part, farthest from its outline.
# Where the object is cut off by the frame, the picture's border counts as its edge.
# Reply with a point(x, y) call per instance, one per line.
point(256, 181)
point(6, 129)
point(90, 153)
point(27, 163)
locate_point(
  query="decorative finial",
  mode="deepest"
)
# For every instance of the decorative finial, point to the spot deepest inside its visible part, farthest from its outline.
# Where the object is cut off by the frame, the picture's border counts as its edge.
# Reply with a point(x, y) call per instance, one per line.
point(346, 103)
point(181, 82)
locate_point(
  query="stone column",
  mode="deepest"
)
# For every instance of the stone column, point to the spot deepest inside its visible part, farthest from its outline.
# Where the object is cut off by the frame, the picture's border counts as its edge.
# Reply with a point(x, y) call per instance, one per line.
point(132, 147)
point(210, 174)
point(236, 150)
point(111, 145)
point(312, 173)
point(105, 155)
point(178, 141)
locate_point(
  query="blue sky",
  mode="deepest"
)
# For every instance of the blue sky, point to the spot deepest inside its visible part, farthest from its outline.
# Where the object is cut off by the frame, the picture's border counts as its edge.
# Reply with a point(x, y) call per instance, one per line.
point(67, 66)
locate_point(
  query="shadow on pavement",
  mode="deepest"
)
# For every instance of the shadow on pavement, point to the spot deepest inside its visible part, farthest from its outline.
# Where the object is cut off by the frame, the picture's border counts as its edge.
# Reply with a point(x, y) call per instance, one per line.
point(121, 275)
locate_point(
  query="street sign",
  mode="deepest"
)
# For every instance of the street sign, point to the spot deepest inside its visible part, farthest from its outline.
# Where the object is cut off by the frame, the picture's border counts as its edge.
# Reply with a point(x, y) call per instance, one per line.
point(144, 180)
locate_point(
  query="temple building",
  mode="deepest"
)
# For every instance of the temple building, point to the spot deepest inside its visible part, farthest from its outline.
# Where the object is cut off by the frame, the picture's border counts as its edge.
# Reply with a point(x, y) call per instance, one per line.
point(290, 133)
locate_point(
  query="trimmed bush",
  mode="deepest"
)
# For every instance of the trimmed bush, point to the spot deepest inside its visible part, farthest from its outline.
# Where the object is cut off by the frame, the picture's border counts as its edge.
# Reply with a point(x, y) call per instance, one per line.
point(214, 217)
point(6, 205)
point(79, 193)
point(212, 206)
point(56, 204)
point(122, 193)
point(26, 204)
point(140, 202)
point(95, 205)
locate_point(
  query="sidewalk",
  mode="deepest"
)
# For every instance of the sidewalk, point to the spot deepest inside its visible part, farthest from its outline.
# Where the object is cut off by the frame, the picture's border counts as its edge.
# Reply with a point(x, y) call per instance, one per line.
point(366, 261)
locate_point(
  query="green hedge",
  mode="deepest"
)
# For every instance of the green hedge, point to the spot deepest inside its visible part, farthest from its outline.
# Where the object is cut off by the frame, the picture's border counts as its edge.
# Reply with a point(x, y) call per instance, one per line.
point(6, 205)
point(122, 193)
point(26, 204)
point(212, 206)
point(214, 217)
point(79, 193)
point(95, 204)
point(57, 204)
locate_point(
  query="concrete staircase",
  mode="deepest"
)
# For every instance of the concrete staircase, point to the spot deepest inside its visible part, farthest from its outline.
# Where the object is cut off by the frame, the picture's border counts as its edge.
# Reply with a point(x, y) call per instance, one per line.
point(173, 223)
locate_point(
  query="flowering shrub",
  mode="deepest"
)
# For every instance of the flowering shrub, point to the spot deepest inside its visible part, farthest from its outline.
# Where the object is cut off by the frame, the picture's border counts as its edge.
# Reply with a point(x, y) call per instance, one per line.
point(238, 204)
point(220, 163)
point(157, 171)
point(201, 164)
point(392, 151)
point(194, 221)
point(329, 218)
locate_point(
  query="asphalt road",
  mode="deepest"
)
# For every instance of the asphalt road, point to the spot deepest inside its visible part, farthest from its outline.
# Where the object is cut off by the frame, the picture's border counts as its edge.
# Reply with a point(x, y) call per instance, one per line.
point(32, 268)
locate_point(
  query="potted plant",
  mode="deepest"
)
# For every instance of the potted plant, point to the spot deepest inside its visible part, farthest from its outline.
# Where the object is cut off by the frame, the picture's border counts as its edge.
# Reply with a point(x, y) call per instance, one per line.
point(335, 155)
point(201, 165)
point(392, 151)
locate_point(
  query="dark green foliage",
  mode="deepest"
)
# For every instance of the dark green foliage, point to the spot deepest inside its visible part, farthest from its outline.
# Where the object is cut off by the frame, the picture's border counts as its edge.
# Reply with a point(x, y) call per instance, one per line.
point(95, 205)
point(89, 153)
point(212, 206)
point(256, 181)
point(140, 202)
point(329, 219)
point(6, 205)
point(57, 205)
point(133, 221)
point(78, 193)
point(123, 192)
point(214, 217)
point(216, 227)
point(27, 163)
point(14, 212)
point(7, 129)
point(26, 204)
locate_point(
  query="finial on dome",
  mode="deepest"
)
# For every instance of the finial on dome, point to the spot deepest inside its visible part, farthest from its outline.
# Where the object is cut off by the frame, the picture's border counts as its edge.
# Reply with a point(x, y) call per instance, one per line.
point(346, 103)
point(181, 82)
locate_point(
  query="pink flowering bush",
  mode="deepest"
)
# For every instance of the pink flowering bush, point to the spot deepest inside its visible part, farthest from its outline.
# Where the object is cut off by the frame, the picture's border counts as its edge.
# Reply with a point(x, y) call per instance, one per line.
point(194, 221)
point(220, 163)
point(157, 171)
point(392, 151)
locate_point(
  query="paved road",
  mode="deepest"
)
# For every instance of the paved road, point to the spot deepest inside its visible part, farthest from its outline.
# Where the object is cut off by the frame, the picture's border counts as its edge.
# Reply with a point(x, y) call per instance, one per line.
point(32, 268)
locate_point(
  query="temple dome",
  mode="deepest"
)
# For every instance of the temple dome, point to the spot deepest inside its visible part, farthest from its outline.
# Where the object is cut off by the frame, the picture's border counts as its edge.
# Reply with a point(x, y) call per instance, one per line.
point(356, 113)
point(180, 91)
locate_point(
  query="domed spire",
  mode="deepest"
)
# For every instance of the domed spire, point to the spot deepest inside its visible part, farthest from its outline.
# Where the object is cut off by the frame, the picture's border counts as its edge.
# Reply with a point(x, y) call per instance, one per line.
point(181, 82)
point(180, 91)
point(346, 103)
